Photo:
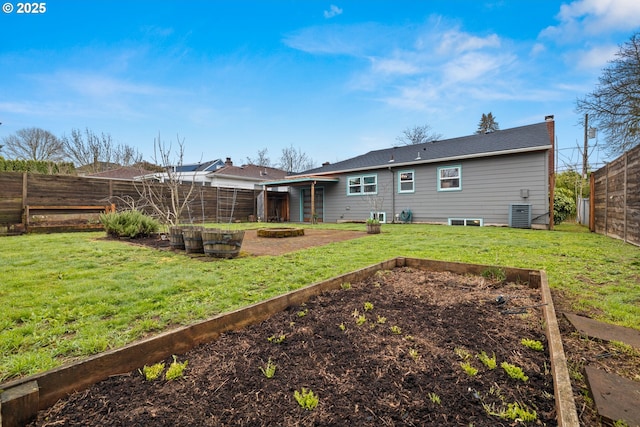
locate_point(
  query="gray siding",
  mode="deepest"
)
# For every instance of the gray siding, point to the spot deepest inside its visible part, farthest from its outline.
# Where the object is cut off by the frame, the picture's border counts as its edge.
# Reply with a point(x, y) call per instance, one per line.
point(489, 186)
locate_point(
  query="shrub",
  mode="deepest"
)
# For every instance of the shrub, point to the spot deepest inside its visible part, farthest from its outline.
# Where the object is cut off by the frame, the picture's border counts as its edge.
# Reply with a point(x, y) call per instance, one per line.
point(564, 205)
point(129, 224)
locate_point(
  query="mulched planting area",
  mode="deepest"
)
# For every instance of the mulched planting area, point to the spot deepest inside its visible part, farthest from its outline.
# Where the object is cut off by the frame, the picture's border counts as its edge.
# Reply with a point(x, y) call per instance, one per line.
point(388, 351)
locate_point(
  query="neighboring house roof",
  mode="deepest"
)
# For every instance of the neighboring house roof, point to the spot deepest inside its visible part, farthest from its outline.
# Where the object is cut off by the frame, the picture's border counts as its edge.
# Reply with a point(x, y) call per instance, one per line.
point(125, 172)
point(534, 137)
point(250, 172)
point(209, 166)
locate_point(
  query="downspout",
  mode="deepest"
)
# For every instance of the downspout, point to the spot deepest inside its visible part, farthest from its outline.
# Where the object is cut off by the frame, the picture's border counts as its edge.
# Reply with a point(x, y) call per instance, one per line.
point(393, 196)
point(265, 197)
point(313, 202)
point(552, 176)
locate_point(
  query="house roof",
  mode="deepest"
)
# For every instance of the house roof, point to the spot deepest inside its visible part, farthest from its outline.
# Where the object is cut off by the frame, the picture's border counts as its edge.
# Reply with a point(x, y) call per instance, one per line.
point(253, 172)
point(534, 137)
point(209, 166)
point(124, 172)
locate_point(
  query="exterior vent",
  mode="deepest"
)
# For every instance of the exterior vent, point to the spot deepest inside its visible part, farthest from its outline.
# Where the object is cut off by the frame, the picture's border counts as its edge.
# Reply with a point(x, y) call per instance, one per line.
point(520, 215)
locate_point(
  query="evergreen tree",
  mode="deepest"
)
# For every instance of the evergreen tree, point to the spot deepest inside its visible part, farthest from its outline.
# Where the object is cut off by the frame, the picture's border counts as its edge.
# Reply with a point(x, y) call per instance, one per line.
point(487, 124)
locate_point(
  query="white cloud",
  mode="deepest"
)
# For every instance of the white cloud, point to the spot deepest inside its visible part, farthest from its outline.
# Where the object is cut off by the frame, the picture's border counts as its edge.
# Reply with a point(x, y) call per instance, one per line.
point(595, 58)
point(474, 66)
point(356, 40)
point(394, 66)
point(333, 11)
point(583, 18)
point(457, 42)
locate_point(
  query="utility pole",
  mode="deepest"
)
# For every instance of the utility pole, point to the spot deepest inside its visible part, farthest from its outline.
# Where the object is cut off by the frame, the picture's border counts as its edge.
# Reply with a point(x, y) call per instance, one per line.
point(585, 152)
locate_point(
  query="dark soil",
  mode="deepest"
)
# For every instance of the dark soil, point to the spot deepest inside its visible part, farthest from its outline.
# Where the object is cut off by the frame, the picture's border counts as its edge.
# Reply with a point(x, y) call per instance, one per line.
point(252, 245)
point(363, 374)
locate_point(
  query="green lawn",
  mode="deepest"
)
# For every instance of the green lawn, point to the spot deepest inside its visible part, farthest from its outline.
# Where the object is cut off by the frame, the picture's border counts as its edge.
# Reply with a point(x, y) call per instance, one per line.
point(65, 296)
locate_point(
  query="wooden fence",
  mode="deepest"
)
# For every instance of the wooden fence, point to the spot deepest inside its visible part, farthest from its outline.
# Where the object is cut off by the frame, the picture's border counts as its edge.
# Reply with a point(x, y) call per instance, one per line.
point(19, 190)
point(615, 198)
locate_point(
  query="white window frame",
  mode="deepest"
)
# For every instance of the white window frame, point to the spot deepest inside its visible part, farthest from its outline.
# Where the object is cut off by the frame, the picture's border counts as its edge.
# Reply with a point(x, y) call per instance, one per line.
point(412, 181)
point(362, 185)
point(459, 178)
point(466, 222)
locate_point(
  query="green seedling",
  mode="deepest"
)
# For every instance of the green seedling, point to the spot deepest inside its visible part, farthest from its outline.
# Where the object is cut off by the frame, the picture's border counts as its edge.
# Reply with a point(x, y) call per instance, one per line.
point(306, 399)
point(470, 370)
point(276, 339)
point(269, 370)
point(381, 319)
point(152, 372)
point(368, 306)
point(396, 330)
point(513, 411)
point(414, 354)
point(345, 286)
point(434, 398)
point(489, 362)
point(303, 313)
point(494, 273)
point(462, 353)
point(361, 320)
point(514, 371)
point(532, 344)
point(342, 327)
point(176, 369)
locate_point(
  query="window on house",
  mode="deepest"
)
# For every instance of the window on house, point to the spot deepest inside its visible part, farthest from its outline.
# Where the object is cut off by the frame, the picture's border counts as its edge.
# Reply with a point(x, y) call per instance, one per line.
point(449, 178)
point(468, 222)
point(406, 182)
point(364, 184)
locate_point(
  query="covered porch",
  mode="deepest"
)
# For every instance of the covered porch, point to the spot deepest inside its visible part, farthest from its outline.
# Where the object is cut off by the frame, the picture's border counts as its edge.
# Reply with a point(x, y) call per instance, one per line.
point(308, 198)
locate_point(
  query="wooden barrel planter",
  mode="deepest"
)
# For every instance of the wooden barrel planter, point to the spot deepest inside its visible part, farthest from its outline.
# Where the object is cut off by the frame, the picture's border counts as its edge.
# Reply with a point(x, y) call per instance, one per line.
point(193, 239)
point(222, 243)
point(176, 240)
point(280, 232)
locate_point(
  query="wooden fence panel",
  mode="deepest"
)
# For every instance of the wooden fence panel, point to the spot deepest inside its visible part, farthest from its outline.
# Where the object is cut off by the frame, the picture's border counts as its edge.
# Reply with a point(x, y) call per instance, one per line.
point(208, 204)
point(10, 198)
point(599, 200)
point(616, 198)
point(65, 190)
point(633, 196)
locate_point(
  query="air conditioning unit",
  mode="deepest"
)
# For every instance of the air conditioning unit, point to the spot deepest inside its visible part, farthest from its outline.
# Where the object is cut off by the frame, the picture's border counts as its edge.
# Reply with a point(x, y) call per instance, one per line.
point(520, 215)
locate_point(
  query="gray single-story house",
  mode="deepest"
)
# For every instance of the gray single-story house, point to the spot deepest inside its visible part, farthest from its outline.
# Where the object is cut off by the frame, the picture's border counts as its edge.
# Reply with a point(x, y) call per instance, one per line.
point(500, 178)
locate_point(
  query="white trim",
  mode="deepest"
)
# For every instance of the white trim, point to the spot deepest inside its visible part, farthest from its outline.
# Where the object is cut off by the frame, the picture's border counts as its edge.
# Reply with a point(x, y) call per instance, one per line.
point(466, 221)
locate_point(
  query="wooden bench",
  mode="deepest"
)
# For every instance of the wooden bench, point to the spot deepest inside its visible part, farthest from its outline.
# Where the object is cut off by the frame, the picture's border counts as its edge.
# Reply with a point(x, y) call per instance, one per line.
point(59, 218)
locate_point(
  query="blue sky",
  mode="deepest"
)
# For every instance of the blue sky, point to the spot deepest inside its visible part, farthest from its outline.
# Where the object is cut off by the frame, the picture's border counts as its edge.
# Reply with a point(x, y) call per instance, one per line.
point(332, 78)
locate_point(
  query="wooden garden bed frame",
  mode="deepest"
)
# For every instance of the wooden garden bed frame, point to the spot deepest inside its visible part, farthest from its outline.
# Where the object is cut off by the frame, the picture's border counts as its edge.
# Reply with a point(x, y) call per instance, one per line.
point(21, 399)
point(55, 225)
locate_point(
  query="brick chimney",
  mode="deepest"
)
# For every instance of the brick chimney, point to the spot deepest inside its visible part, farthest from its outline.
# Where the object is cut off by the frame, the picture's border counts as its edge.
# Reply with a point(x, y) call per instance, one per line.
point(228, 162)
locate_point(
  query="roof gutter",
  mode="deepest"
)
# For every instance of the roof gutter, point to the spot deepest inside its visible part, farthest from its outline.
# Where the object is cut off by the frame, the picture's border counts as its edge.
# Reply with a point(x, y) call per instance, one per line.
point(439, 160)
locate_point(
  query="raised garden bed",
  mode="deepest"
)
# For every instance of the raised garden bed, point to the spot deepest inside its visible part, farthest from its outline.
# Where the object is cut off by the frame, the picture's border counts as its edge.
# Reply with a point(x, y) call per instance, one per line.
point(365, 372)
point(280, 232)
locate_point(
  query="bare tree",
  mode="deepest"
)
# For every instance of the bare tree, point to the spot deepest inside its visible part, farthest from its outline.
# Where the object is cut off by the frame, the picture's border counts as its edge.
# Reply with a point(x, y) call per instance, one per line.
point(88, 149)
point(294, 160)
point(34, 144)
point(98, 152)
point(417, 135)
point(126, 155)
point(487, 124)
point(261, 159)
point(165, 193)
point(615, 103)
